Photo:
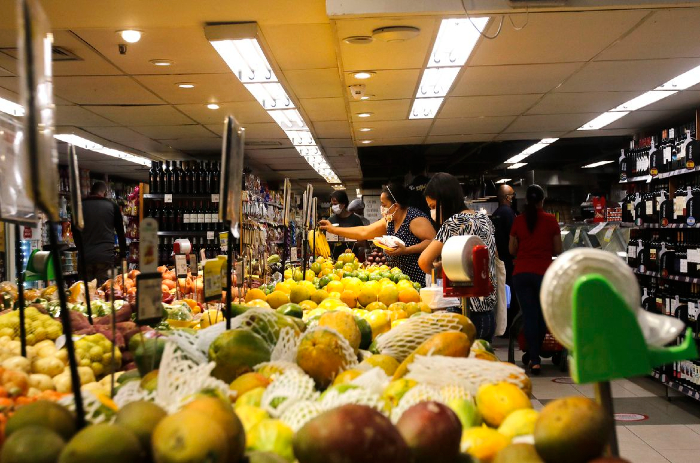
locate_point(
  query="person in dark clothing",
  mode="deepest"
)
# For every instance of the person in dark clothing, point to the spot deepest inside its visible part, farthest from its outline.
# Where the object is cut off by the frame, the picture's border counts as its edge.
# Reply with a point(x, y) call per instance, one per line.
point(417, 186)
point(342, 217)
point(102, 220)
point(502, 219)
point(357, 207)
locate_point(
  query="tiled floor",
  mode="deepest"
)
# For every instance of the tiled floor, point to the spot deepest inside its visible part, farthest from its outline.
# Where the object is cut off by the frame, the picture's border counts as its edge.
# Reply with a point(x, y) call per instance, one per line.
point(670, 433)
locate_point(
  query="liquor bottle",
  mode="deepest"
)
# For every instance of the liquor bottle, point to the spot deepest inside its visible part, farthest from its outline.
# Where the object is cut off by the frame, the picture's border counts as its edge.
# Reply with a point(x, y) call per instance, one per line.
point(156, 179)
point(152, 177)
point(201, 226)
point(194, 179)
point(203, 178)
point(215, 174)
point(176, 177)
point(186, 177)
point(171, 177)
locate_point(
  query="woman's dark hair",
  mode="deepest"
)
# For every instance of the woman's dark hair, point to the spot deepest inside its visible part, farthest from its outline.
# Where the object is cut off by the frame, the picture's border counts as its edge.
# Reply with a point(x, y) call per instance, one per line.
point(534, 196)
point(341, 196)
point(445, 189)
point(397, 193)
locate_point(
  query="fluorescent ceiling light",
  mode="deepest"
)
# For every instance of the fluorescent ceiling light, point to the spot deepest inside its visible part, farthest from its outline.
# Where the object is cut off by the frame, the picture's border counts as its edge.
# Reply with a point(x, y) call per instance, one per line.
point(185, 85)
point(545, 142)
point(364, 114)
point(161, 62)
point(683, 81)
point(436, 82)
point(130, 35)
point(11, 108)
point(84, 143)
point(603, 120)
point(213, 106)
point(365, 129)
point(517, 158)
point(503, 180)
point(643, 100)
point(455, 41)
point(518, 165)
point(596, 164)
point(366, 97)
point(366, 142)
point(270, 95)
point(363, 75)
point(425, 108)
point(239, 48)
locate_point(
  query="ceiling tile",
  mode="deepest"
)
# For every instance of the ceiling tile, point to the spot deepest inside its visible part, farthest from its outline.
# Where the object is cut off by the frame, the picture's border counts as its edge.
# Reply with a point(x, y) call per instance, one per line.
point(476, 106)
point(324, 109)
point(268, 130)
point(659, 37)
point(472, 125)
point(599, 133)
point(164, 132)
point(301, 46)
point(393, 129)
point(315, 83)
point(244, 112)
point(98, 90)
point(557, 123)
point(327, 143)
point(398, 141)
point(208, 88)
point(639, 120)
point(512, 80)
point(332, 129)
point(460, 138)
point(528, 136)
point(385, 110)
point(563, 103)
point(554, 37)
point(142, 115)
point(195, 144)
point(620, 76)
point(81, 117)
point(388, 84)
point(411, 54)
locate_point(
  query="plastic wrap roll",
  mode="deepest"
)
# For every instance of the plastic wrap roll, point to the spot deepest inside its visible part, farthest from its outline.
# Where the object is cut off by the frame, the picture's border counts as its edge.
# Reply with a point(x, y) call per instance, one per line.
point(40, 259)
point(457, 257)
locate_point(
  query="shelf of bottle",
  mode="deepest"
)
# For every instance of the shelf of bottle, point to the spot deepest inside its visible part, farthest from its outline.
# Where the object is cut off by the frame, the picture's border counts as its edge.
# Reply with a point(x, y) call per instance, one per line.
point(265, 203)
point(187, 233)
point(682, 279)
point(656, 226)
point(177, 196)
point(649, 178)
point(690, 392)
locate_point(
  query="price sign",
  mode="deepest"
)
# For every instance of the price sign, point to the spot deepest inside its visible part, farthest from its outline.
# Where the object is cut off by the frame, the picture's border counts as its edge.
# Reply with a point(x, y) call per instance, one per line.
point(223, 240)
point(180, 265)
point(149, 307)
point(148, 245)
point(210, 235)
point(215, 198)
point(168, 198)
point(294, 254)
point(194, 269)
point(212, 280)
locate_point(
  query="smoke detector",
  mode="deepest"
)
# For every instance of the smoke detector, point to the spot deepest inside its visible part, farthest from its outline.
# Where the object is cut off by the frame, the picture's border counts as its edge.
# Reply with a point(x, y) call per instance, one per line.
point(395, 33)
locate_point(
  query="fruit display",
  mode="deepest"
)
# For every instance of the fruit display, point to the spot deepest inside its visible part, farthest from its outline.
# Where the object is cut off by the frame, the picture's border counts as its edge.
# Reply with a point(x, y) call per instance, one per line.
point(376, 257)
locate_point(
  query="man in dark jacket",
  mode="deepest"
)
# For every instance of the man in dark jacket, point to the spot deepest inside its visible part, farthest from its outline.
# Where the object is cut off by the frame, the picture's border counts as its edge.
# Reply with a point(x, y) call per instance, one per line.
point(502, 219)
point(102, 220)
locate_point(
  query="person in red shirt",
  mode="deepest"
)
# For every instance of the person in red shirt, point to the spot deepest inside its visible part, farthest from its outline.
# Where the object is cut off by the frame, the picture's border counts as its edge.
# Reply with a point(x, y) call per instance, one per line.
point(534, 239)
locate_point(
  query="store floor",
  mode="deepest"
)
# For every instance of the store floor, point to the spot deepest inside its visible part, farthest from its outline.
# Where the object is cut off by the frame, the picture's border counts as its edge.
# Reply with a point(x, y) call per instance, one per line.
point(668, 431)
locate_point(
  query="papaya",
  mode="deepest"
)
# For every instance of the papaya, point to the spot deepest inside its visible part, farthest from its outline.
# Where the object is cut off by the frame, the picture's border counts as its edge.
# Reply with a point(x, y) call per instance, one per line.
point(344, 323)
point(322, 356)
point(468, 327)
point(448, 344)
point(236, 352)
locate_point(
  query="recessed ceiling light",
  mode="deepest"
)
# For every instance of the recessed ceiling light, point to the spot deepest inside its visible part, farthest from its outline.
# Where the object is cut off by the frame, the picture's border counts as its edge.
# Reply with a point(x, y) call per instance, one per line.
point(363, 75)
point(130, 35)
point(366, 97)
point(365, 129)
point(161, 62)
point(517, 165)
point(395, 33)
point(366, 142)
point(185, 85)
point(213, 106)
point(364, 114)
point(358, 40)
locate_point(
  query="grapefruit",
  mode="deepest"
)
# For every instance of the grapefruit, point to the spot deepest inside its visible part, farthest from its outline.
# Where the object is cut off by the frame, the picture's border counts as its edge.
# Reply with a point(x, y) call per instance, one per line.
point(319, 295)
point(335, 287)
point(409, 295)
point(349, 298)
point(367, 295)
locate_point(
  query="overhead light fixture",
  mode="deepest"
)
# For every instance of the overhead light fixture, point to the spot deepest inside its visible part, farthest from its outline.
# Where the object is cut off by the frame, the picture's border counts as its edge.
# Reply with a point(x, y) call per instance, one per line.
point(161, 62)
point(503, 180)
point(362, 75)
point(545, 142)
point(673, 86)
point(395, 33)
point(596, 164)
point(358, 192)
point(366, 97)
point(130, 35)
point(365, 129)
point(11, 108)
point(338, 187)
point(366, 142)
point(213, 106)
point(454, 44)
point(364, 114)
point(517, 165)
point(185, 84)
point(240, 47)
point(84, 143)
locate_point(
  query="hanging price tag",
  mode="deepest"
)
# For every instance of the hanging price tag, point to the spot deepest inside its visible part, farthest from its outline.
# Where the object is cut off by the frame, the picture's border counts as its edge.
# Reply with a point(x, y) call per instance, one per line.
point(148, 245)
point(168, 198)
point(194, 269)
point(222, 261)
point(577, 235)
point(293, 254)
point(239, 271)
point(212, 280)
point(149, 307)
point(215, 198)
point(210, 235)
point(223, 240)
point(181, 265)
point(609, 234)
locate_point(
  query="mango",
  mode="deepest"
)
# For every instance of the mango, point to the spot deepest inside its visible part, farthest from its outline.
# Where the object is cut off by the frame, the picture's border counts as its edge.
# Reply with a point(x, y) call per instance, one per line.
point(448, 343)
point(432, 432)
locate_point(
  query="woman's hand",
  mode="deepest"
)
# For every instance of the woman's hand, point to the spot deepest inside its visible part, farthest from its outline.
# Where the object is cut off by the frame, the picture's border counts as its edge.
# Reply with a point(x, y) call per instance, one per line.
point(324, 224)
point(399, 250)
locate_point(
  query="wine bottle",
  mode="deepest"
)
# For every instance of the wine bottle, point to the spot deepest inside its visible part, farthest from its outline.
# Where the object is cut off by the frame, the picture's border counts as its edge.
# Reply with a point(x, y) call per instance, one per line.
point(200, 217)
point(152, 182)
point(204, 179)
point(176, 177)
point(215, 173)
point(185, 176)
point(194, 184)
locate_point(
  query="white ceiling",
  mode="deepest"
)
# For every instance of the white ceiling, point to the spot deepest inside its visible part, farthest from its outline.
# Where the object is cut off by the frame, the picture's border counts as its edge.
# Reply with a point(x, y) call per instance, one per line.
point(545, 80)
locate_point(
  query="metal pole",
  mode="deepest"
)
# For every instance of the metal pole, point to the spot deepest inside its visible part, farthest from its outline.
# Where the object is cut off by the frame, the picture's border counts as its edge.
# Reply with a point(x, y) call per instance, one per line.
point(82, 267)
point(20, 291)
point(229, 274)
point(603, 395)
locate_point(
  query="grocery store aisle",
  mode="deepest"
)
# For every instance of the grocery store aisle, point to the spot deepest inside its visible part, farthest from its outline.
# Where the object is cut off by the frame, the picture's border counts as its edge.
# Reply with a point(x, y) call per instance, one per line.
point(650, 428)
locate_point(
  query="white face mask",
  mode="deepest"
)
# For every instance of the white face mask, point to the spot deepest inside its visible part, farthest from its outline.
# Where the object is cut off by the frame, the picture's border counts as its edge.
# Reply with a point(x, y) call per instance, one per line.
point(433, 214)
point(337, 209)
point(385, 213)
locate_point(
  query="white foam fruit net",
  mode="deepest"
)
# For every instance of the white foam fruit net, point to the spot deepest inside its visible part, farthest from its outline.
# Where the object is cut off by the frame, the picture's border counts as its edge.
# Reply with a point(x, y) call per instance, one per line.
point(286, 348)
point(374, 380)
point(300, 413)
point(469, 373)
point(94, 412)
point(132, 392)
point(416, 395)
point(333, 398)
point(287, 389)
point(187, 342)
point(344, 347)
point(401, 341)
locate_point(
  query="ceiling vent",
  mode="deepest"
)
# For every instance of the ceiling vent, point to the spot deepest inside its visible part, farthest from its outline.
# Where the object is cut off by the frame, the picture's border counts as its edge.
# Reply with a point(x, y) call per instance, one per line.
point(57, 54)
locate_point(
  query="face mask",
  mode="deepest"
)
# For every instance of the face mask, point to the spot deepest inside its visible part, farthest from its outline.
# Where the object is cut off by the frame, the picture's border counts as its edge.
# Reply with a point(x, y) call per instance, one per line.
point(385, 213)
point(433, 214)
point(337, 209)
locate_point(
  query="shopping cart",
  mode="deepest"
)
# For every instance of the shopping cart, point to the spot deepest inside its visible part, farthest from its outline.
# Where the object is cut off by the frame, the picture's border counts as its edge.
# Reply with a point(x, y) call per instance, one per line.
point(550, 346)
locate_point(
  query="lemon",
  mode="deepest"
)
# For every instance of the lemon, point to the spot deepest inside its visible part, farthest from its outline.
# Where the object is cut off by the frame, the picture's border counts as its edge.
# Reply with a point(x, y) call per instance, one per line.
point(519, 423)
point(482, 442)
point(496, 401)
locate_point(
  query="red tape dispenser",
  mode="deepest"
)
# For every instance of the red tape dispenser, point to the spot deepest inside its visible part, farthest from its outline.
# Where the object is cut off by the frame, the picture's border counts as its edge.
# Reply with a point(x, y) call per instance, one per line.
point(465, 267)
